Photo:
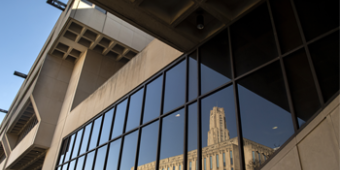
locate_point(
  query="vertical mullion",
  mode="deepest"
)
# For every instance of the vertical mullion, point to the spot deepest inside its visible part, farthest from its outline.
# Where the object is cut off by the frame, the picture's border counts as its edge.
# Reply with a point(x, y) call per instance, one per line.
point(88, 143)
point(107, 154)
point(199, 128)
point(74, 142)
point(160, 122)
point(120, 152)
point(237, 107)
point(159, 143)
point(95, 157)
point(81, 141)
point(185, 147)
point(126, 114)
point(143, 106)
point(311, 65)
point(137, 148)
point(113, 121)
point(284, 74)
point(100, 129)
point(239, 126)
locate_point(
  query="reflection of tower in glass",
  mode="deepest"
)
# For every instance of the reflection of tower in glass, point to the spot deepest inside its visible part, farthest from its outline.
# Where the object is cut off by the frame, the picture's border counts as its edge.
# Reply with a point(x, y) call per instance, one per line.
point(218, 131)
point(221, 152)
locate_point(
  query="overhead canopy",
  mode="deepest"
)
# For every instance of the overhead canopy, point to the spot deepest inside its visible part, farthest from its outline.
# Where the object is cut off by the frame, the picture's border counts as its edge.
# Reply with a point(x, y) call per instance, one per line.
point(174, 21)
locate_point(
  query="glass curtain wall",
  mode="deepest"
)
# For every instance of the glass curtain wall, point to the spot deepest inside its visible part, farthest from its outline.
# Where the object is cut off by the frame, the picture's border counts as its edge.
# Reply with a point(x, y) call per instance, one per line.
point(229, 104)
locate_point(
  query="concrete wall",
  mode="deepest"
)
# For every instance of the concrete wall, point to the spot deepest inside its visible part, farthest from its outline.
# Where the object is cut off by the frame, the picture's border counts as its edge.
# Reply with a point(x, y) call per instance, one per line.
point(97, 69)
point(148, 62)
point(110, 25)
point(315, 147)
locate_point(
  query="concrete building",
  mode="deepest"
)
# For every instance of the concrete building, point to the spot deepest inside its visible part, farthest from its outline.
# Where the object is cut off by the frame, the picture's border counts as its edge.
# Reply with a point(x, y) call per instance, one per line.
point(130, 84)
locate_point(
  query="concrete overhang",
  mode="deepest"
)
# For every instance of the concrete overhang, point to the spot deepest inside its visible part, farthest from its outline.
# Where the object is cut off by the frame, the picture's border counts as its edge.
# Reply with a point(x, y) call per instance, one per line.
point(174, 21)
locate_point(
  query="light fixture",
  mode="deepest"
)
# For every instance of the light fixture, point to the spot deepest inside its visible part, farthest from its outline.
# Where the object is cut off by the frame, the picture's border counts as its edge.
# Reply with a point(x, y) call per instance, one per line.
point(22, 75)
point(4, 111)
point(200, 21)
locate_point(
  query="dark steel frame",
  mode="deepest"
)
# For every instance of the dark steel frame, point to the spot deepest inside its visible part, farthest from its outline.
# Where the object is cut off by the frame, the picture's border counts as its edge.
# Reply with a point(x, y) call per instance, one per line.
point(232, 82)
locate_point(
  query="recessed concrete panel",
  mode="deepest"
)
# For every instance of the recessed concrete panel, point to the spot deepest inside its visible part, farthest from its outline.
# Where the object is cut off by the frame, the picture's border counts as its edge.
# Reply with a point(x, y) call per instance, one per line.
point(290, 161)
point(317, 150)
point(125, 35)
point(112, 28)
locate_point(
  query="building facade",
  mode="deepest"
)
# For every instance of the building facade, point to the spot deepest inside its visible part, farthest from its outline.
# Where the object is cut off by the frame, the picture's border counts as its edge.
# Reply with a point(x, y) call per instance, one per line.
point(255, 86)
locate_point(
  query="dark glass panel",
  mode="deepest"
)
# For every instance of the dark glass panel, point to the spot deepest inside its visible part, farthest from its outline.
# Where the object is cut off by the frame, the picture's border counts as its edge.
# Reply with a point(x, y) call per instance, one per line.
point(86, 137)
point(325, 56)
point(174, 87)
point(80, 163)
point(192, 136)
point(192, 127)
point(317, 17)
point(135, 110)
point(95, 132)
point(129, 151)
point(69, 148)
point(72, 165)
point(105, 132)
point(63, 150)
point(77, 143)
point(302, 87)
point(286, 25)
point(89, 161)
point(172, 138)
point(113, 155)
point(264, 109)
point(192, 87)
point(253, 40)
point(153, 97)
point(148, 146)
point(119, 119)
point(100, 158)
point(215, 62)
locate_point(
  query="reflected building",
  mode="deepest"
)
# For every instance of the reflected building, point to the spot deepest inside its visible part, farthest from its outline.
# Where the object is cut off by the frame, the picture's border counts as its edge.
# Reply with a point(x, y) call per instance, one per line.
point(222, 151)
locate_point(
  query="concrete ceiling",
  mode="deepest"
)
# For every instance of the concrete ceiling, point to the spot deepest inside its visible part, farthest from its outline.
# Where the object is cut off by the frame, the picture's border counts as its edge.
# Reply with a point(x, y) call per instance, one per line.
point(174, 21)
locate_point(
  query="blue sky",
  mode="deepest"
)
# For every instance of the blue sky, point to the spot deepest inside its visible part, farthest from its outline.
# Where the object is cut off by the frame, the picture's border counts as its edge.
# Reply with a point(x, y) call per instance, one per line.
point(25, 26)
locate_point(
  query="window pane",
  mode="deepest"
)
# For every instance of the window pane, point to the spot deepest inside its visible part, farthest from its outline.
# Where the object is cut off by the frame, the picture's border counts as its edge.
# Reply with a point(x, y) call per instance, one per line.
point(135, 109)
point(172, 138)
point(153, 96)
point(63, 150)
point(77, 144)
point(95, 132)
point(325, 56)
point(69, 148)
point(302, 87)
point(148, 146)
point(286, 26)
point(174, 87)
point(192, 89)
point(265, 116)
point(89, 161)
point(104, 136)
point(119, 119)
point(72, 164)
point(192, 127)
point(215, 62)
point(253, 40)
point(100, 158)
point(129, 151)
point(85, 138)
point(219, 123)
point(316, 23)
point(80, 163)
point(65, 166)
point(113, 155)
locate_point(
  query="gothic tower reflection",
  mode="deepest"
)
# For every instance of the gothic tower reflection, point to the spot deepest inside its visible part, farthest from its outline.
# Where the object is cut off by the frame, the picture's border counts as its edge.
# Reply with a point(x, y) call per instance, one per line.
point(222, 153)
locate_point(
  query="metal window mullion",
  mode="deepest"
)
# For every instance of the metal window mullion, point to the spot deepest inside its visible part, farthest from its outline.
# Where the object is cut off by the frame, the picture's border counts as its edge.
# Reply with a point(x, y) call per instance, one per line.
point(120, 152)
point(185, 147)
point(137, 148)
point(113, 121)
point(126, 114)
point(237, 106)
point(199, 127)
point(283, 70)
point(100, 129)
point(74, 142)
point(310, 61)
point(159, 143)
